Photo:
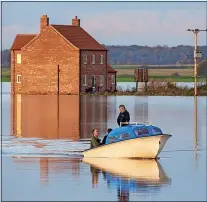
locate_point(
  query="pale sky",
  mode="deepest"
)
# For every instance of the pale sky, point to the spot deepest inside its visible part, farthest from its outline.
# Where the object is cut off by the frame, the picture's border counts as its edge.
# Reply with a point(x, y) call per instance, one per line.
point(112, 23)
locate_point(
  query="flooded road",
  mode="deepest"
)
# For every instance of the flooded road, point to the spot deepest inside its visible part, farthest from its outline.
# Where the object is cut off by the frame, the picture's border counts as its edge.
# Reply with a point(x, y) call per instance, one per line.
point(43, 137)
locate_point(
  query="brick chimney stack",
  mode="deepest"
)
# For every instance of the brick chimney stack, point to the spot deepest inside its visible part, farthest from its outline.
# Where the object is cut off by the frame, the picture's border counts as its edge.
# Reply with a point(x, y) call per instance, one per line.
point(44, 22)
point(76, 21)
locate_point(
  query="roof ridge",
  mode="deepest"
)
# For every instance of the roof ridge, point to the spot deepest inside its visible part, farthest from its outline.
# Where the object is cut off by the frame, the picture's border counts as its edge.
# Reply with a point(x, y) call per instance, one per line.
point(58, 26)
point(63, 25)
point(92, 38)
point(62, 36)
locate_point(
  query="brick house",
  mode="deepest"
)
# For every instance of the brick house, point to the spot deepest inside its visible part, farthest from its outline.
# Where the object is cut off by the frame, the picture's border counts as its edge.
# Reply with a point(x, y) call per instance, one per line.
point(62, 59)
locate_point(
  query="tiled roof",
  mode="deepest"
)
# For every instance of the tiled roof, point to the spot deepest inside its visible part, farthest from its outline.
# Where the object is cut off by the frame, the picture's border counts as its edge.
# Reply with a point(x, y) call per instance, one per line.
point(110, 69)
point(22, 40)
point(78, 37)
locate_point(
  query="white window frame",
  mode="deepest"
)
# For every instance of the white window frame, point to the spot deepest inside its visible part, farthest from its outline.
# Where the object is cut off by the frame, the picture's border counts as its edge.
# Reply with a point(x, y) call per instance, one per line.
point(85, 57)
point(93, 59)
point(102, 59)
point(84, 80)
point(101, 76)
point(18, 78)
point(19, 58)
point(112, 79)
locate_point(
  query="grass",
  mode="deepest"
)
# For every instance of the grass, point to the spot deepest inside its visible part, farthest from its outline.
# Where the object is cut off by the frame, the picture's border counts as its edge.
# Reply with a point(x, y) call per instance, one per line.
point(155, 89)
point(129, 78)
point(158, 72)
point(173, 66)
point(5, 77)
point(127, 75)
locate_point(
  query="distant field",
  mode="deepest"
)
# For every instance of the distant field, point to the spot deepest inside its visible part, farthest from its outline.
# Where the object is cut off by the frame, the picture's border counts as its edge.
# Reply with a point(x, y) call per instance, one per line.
point(127, 75)
point(128, 78)
point(186, 66)
point(158, 72)
point(5, 77)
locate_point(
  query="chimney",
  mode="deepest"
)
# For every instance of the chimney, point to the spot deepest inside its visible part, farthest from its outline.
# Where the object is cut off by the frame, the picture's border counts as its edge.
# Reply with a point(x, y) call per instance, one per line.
point(76, 21)
point(44, 22)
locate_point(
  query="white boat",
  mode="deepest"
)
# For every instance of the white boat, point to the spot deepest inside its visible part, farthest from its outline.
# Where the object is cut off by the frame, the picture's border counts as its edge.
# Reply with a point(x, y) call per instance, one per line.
point(131, 141)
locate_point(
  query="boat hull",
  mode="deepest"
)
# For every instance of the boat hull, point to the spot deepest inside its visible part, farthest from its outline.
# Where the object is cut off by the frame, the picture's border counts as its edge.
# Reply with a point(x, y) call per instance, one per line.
point(143, 147)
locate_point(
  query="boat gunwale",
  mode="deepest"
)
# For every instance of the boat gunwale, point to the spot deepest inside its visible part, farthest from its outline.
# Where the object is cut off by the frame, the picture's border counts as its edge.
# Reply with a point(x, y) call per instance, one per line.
point(127, 140)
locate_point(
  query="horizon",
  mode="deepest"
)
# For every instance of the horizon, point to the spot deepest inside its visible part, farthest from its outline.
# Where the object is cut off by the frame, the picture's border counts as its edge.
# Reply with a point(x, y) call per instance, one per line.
point(112, 23)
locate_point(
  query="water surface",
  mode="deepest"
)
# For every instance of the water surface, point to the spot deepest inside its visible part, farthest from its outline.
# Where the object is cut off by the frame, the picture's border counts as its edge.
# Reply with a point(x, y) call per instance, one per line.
point(43, 137)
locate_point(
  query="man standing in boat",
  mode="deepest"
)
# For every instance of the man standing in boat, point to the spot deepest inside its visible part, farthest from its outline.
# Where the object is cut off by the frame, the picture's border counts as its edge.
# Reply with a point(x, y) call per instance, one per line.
point(124, 116)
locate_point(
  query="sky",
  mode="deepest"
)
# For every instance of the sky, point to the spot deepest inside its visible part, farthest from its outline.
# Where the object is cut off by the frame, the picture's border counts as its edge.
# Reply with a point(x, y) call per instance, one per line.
point(112, 23)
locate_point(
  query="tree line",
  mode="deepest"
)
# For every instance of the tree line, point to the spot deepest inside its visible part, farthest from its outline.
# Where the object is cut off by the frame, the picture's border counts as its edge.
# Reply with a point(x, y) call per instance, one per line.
point(141, 55)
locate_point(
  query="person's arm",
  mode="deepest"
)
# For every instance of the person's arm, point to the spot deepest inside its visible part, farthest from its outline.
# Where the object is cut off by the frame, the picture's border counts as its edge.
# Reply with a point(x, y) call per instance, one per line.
point(118, 120)
point(104, 140)
point(127, 117)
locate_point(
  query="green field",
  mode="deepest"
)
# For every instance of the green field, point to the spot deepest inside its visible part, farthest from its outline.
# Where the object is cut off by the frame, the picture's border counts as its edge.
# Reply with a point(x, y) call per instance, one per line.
point(129, 78)
point(5, 77)
point(173, 66)
point(127, 74)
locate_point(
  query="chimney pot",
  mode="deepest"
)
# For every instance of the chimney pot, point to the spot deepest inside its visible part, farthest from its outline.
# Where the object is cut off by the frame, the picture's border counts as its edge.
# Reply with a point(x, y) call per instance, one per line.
point(76, 21)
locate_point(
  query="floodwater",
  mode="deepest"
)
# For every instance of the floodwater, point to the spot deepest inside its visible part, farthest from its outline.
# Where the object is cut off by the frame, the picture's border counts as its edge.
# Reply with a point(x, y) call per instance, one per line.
point(43, 136)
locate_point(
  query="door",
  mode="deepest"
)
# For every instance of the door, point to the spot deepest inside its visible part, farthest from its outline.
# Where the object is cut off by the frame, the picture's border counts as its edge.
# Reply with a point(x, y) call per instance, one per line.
point(93, 81)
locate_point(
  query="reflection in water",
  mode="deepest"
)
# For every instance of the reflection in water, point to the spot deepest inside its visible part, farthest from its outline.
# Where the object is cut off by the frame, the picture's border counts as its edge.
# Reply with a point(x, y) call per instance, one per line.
point(68, 117)
point(195, 129)
point(50, 166)
point(128, 175)
point(57, 117)
point(44, 170)
point(95, 174)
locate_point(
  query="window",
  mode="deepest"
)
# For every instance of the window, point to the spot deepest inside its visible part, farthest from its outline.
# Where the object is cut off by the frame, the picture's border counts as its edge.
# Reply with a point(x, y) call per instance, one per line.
point(156, 130)
point(18, 78)
point(93, 59)
point(93, 81)
point(101, 80)
point(124, 136)
point(141, 131)
point(85, 59)
point(19, 59)
point(113, 139)
point(84, 80)
point(101, 59)
point(112, 79)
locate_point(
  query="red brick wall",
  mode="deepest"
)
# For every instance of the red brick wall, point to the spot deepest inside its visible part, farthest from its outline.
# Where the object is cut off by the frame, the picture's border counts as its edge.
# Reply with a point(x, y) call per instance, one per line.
point(39, 66)
point(15, 70)
point(111, 86)
point(96, 69)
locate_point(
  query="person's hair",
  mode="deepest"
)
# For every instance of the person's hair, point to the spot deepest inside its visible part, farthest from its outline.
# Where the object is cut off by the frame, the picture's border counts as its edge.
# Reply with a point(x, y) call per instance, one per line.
point(121, 106)
point(109, 130)
point(94, 130)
